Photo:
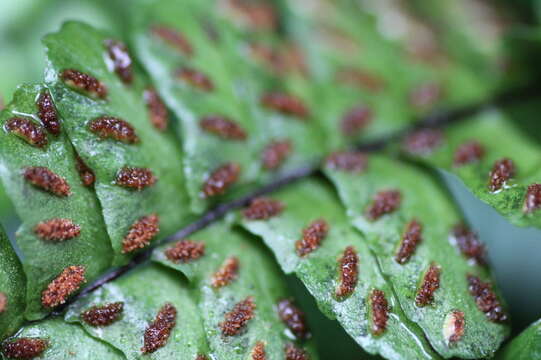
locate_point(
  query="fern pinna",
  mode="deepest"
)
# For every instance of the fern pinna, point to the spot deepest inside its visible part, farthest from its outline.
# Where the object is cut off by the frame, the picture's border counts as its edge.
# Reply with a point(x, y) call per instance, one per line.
point(122, 160)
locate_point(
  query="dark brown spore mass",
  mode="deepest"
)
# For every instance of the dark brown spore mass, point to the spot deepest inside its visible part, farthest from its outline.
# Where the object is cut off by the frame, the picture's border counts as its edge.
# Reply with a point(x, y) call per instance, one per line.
point(380, 312)
point(28, 131)
point(85, 173)
point(294, 318)
point(532, 200)
point(501, 172)
point(24, 348)
point(47, 113)
point(469, 152)
point(103, 315)
point(135, 178)
point(469, 244)
point(174, 38)
point(196, 79)
point(349, 161)
point(57, 230)
point(423, 142)
point(110, 127)
point(258, 352)
point(410, 240)
point(222, 127)
point(185, 251)
point(285, 103)
point(226, 273)
point(294, 353)
point(47, 180)
point(221, 179)
point(118, 52)
point(84, 82)
point(385, 202)
point(158, 332)
point(431, 283)
point(236, 319)
point(65, 284)
point(486, 299)
point(141, 233)
point(312, 236)
point(263, 208)
point(355, 120)
point(159, 117)
point(459, 324)
point(275, 153)
point(349, 272)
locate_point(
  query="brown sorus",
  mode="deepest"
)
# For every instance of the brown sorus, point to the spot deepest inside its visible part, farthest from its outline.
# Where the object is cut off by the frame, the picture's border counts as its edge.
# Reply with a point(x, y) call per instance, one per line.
point(85, 173)
point(65, 284)
point(103, 315)
point(122, 63)
point(285, 103)
point(361, 79)
point(486, 299)
point(312, 236)
point(258, 15)
point(425, 95)
point(24, 348)
point(3, 302)
point(135, 178)
point(355, 119)
point(196, 79)
point(158, 111)
point(222, 127)
point(110, 127)
point(501, 172)
point(349, 161)
point(258, 352)
point(410, 240)
point(294, 318)
point(423, 142)
point(429, 285)
point(47, 113)
point(47, 180)
point(468, 152)
point(226, 273)
point(57, 230)
point(453, 326)
point(221, 179)
point(263, 208)
point(238, 317)
point(201, 357)
point(385, 202)
point(84, 82)
point(532, 200)
point(27, 130)
point(185, 251)
point(275, 153)
point(140, 233)
point(380, 311)
point(294, 353)
point(469, 244)
point(158, 332)
point(173, 37)
point(349, 272)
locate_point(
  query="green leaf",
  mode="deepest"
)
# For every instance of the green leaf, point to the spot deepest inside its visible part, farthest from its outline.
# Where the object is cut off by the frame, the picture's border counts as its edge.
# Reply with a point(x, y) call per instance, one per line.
point(494, 132)
point(319, 271)
point(237, 92)
point(80, 47)
point(12, 288)
point(424, 201)
point(67, 341)
point(526, 346)
point(143, 292)
point(257, 277)
point(44, 260)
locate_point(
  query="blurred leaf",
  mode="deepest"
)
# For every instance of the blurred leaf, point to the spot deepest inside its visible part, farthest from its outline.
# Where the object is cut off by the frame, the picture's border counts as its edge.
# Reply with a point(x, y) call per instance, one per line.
point(526, 346)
